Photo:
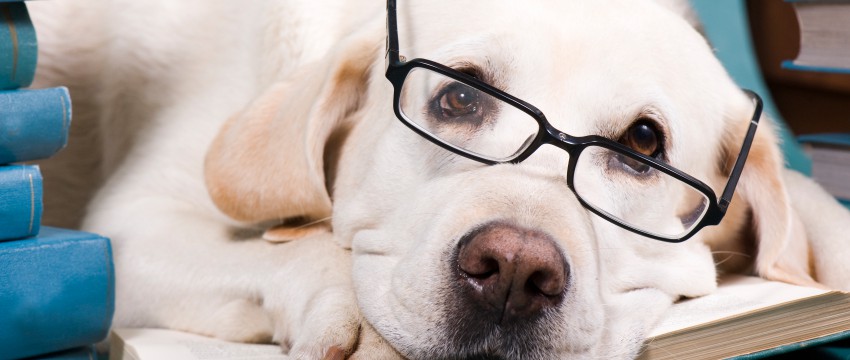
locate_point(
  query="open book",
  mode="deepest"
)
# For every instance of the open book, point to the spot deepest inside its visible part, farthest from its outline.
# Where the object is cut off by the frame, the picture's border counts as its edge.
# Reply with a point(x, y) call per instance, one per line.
point(750, 316)
point(160, 344)
point(745, 316)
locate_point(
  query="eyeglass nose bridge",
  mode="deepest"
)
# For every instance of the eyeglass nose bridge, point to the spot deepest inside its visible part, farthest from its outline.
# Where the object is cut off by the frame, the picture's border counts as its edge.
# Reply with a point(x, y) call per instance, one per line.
point(557, 138)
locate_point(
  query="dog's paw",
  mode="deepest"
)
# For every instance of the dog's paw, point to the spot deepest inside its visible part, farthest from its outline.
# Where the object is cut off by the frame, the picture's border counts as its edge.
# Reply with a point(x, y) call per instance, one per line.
point(330, 326)
point(334, 329)
point(370, 346)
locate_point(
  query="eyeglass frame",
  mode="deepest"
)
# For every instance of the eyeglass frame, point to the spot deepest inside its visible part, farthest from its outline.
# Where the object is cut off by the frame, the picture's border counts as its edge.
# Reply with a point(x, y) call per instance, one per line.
point(398, 68)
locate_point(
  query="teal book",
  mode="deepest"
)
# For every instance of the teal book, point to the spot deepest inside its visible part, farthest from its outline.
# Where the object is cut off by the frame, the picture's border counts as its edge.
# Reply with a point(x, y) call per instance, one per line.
point(792, 65)
point(831, 139)
point(57, 292)
point(20, 201)
point(18, 46)
point(33, 123)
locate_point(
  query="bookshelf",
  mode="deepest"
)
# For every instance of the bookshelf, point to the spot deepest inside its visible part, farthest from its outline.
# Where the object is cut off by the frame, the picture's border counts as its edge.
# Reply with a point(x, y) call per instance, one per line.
point(811, 102)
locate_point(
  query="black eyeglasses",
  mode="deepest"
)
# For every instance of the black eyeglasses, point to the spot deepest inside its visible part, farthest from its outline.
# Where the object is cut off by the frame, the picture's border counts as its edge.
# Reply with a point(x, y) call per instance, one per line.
point(463, 114)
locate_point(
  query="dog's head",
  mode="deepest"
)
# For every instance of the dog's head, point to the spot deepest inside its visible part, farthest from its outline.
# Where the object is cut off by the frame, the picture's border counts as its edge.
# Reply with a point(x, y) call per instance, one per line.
point(454, 258)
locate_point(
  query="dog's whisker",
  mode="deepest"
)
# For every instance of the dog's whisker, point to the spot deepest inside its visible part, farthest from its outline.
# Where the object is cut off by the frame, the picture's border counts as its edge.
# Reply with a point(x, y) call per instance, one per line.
point(731, 254)
point(314, 222)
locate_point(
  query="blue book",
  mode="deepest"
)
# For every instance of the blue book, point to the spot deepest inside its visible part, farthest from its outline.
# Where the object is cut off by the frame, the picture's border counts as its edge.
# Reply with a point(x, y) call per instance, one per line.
point(33, 123)
point(20, 201)
point(829, 139)
point(791, 65)
point(81, 353)
point(57, 291)
point(18, 46)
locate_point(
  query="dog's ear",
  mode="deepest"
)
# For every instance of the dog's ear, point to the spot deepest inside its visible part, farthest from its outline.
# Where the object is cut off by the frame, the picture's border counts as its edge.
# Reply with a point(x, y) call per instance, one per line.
point(274, 161)
point(781, 249)
point(827, 225)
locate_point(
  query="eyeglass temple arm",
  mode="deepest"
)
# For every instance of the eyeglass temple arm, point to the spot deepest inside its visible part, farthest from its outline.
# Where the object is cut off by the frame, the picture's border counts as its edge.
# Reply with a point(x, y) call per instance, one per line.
point(392, 34)
point(726, 198)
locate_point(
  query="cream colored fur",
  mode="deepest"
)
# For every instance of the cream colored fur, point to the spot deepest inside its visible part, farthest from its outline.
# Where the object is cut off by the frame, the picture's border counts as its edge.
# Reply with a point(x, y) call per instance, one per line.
point(201, 124)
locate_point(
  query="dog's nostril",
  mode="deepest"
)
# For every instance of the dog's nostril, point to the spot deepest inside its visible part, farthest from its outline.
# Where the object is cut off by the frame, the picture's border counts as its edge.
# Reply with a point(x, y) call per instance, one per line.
point(479, 268)
point(511, 272)
point(480, 272)
point(548, 282)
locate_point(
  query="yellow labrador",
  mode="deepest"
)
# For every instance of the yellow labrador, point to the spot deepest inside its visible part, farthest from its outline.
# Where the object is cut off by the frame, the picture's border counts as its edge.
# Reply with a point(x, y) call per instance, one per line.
point(522, 194)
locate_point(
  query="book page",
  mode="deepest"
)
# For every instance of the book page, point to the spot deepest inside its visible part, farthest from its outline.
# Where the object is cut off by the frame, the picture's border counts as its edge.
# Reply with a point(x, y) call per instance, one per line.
point(157, 344)
point(736, 294)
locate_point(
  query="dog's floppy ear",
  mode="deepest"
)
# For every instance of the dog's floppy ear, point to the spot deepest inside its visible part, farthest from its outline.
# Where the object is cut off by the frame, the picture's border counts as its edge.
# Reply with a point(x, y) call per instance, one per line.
point(274, 160)
point(827, 227)
point(781, 249)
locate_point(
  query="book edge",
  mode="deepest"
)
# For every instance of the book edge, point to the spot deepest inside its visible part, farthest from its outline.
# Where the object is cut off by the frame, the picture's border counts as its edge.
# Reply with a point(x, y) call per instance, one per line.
point(793, 65)
point(795, 346)
point(761, 310)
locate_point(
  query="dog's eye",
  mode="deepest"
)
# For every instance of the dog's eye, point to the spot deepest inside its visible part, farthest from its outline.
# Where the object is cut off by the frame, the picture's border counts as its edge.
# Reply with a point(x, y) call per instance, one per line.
point(459, 100)
point(644, 137)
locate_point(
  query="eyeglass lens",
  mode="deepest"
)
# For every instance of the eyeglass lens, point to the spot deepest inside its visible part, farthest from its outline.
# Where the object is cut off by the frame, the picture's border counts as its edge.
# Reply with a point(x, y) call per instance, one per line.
point(465, 117)
point(636, 194)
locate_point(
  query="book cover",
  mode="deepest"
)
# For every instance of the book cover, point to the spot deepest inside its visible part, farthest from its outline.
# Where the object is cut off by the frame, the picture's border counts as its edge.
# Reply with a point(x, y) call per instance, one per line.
point(81, 353)
point(56, 290)
point(33, 123)
point(835, 139)
point(20, 201)
point(18, 46)
point(827, 347)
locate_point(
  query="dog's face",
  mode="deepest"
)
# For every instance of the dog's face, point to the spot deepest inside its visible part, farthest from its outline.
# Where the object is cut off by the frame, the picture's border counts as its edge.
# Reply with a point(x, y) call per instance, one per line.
point(454, 258)
point(433, 245)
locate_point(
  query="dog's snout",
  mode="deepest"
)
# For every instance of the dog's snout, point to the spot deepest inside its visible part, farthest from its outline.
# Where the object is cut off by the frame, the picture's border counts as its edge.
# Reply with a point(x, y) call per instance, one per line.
point(511, 273)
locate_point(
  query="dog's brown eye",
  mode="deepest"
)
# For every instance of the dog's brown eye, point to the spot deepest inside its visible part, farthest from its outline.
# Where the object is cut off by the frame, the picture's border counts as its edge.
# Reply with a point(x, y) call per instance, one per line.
point(643, 137)
point(459, 100)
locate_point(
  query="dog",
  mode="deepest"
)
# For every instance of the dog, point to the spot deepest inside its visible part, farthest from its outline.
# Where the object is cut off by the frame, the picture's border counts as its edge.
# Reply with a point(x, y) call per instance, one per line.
point(246, 162)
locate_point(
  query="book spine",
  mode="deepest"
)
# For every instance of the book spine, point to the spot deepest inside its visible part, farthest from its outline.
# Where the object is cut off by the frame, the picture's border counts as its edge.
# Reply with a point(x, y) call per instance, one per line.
point(837, 139)
point(20, 201)
point(792, 65)
point(33, 123)
point(57, 291)
point(18, 46)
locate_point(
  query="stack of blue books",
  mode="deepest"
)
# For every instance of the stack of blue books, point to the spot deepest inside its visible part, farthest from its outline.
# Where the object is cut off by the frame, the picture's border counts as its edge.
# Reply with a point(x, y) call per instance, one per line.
point(56, 285)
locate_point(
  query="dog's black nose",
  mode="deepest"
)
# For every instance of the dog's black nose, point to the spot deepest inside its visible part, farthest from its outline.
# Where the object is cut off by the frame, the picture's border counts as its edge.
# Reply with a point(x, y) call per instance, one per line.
point(511, 273)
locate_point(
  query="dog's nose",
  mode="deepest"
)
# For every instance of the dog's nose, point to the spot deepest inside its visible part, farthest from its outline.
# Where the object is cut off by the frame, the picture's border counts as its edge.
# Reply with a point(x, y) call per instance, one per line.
point(511, 273)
